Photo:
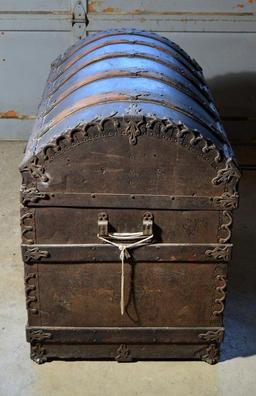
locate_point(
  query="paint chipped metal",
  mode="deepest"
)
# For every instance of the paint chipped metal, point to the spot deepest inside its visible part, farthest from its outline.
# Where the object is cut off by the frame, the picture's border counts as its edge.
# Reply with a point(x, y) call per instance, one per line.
point(12, 114)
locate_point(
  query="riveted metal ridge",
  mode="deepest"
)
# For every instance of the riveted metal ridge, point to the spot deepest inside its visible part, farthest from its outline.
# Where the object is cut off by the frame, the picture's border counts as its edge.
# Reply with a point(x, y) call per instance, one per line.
point(50, 104)
point(114, 97)
point(54, 86)
point(117, 32)
point(66, 65)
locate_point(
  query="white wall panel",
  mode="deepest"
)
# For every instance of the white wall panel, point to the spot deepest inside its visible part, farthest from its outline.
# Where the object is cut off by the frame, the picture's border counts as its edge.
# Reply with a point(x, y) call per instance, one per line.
point(26, 67)
point(32, 34)
point(34, 5)
point(171, 6)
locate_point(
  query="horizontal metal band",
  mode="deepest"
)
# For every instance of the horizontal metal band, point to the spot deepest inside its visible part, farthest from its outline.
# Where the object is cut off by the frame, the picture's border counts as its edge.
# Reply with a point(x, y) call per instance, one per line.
point(159, 252)
point(34, 198)
point(131, 335)
point(125, 352)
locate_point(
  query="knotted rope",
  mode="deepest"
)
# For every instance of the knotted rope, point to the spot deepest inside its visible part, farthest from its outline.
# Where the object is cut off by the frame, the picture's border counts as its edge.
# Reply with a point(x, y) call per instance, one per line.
point(124, 253)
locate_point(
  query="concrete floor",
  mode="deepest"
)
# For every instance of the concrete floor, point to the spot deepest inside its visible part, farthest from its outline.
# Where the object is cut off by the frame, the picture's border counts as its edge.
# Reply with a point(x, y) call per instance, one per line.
point(19, 376)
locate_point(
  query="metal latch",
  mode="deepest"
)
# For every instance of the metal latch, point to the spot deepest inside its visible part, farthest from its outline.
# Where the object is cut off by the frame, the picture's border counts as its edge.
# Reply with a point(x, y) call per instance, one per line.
point(147, 228)
point(147, 224)
point(103, 224)
point(79, 19)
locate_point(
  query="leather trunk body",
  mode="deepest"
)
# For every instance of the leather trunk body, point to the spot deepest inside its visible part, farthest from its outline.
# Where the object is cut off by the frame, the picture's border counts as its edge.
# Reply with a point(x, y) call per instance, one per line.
point(124, 166)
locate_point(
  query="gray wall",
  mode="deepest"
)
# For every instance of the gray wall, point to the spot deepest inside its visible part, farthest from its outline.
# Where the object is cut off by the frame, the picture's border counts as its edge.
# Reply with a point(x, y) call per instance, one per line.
point(220, 34)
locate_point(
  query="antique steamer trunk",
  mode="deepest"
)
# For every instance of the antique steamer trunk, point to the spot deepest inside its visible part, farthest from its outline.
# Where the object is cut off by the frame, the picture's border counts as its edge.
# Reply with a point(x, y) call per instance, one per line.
point(128, 186)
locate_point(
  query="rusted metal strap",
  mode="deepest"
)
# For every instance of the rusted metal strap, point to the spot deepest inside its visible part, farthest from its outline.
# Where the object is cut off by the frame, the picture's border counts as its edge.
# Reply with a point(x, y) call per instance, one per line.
point(103, 253)
point(133, 335)
point(35, 198)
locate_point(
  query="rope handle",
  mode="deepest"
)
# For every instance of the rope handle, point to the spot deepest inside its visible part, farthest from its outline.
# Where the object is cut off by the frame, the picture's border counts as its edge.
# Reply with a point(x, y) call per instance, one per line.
point(119, 239)
point(126, 236)
point(124, 253)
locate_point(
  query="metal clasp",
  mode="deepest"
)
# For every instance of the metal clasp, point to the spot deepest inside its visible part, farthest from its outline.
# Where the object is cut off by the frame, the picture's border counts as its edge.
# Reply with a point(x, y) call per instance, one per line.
point(147, 223)
point(103, 224)
point(147, 227)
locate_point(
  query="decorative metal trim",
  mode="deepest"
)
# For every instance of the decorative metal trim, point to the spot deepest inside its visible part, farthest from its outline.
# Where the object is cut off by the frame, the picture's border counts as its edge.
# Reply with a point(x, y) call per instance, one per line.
point(195, 138)
point(36, 170)
point(213, 335)
point(31, 292)
point(123, 354)
point(220, 253)
point(228, 175)
point(225, 227)
point(128, 201)
point(101, 252)
point(122, 335)
point(220, 294)
point(26, 223)
point(38, 353)
point(34, 254)
point(132, 130)
point(227, 200)
point(37, 336)
point(211, 354)
point(101, 122)
point(140, 125)
point(32, 195)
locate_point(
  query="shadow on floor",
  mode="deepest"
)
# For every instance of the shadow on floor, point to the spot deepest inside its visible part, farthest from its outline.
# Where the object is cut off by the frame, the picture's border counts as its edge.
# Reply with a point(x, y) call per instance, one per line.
point(240, 312)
